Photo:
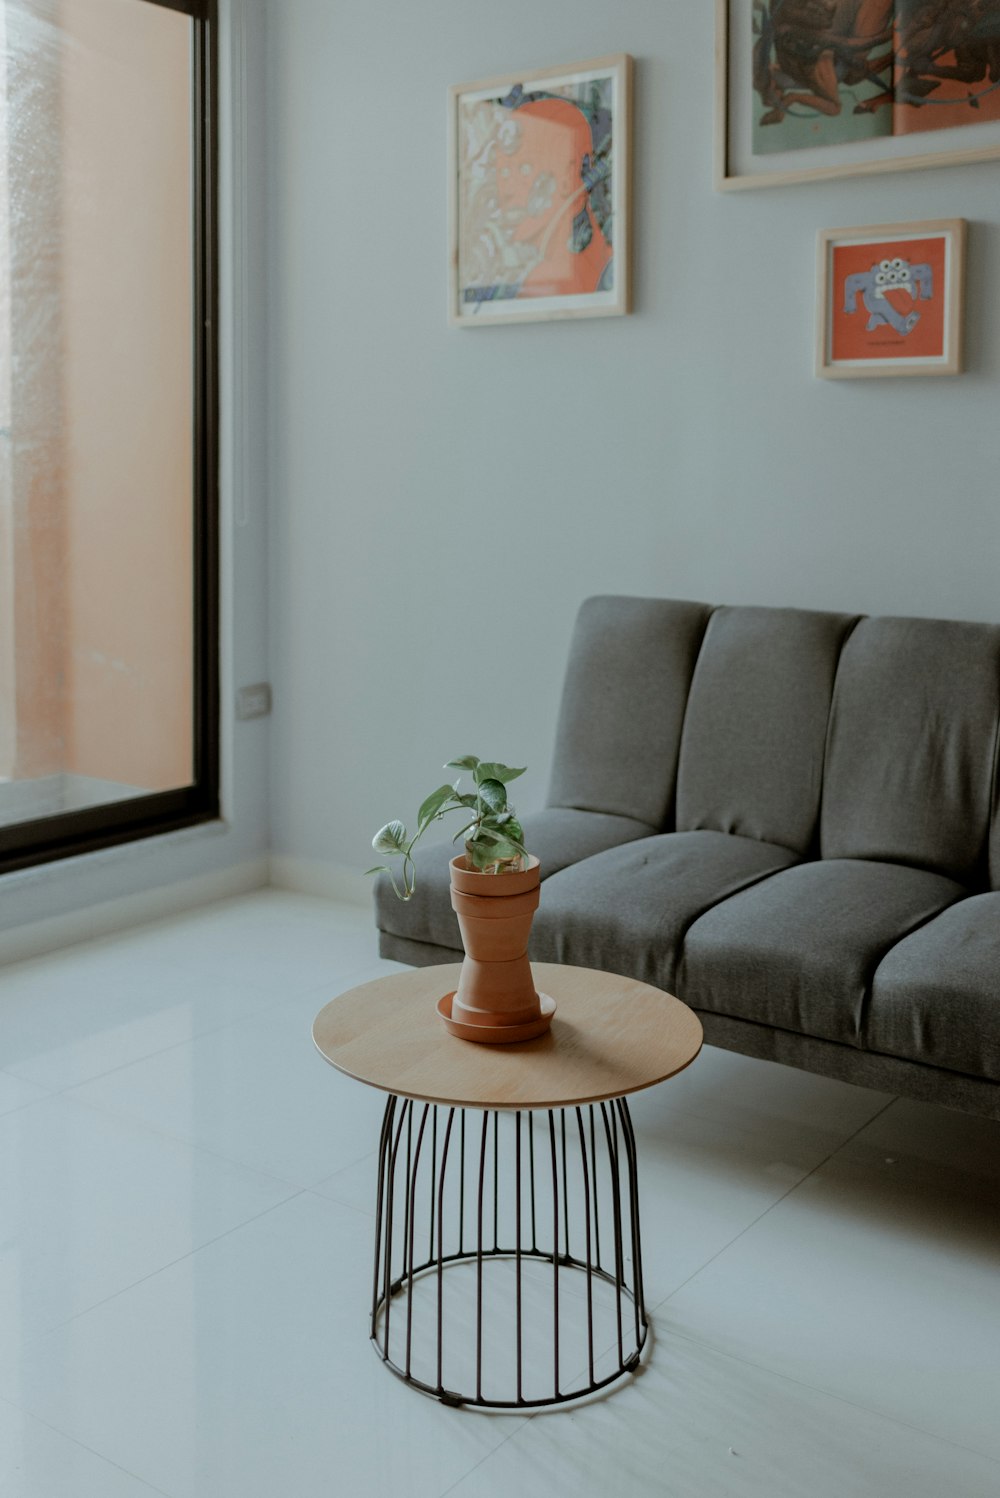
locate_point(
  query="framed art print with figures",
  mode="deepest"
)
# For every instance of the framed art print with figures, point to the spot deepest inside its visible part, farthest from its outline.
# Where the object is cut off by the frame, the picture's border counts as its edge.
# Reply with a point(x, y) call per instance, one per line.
point(808, 89)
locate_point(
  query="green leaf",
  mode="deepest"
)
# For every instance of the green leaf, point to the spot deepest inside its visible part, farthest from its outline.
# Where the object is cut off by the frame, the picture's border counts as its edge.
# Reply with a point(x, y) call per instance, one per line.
point(492, 770)
point(488, 831)
point(466, 762)
point(379, 868)
point(514, 830)
point(433, 804)
point(390, 838)
point(493, 795)
point(470, 801)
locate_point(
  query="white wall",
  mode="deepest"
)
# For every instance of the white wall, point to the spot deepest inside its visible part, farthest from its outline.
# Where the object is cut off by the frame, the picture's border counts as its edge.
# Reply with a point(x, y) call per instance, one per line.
point(58, 902)
point(444, 499)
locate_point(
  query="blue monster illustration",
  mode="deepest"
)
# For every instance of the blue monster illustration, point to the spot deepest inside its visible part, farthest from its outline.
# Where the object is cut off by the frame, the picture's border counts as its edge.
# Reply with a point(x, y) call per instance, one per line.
point(885, 276)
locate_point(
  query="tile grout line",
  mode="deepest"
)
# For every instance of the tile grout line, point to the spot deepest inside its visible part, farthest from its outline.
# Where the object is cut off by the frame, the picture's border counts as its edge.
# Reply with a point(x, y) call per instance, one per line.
point(268, 1010)
point(865, 1409)
point(334, 1201)
point(123, 1116)
point(82, 1446)
point(4, 1072)
point(126, 1116)
point(40, 1336)
point(776, 1203)
point(729, 1356)
point(20, 1107)
point(709, 1114)
point(815, 1388)
point(584, 1402)
point(522, 1425)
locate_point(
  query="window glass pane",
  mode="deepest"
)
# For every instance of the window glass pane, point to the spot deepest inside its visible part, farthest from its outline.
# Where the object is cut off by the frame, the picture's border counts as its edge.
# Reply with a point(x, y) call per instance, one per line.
point(96, 403)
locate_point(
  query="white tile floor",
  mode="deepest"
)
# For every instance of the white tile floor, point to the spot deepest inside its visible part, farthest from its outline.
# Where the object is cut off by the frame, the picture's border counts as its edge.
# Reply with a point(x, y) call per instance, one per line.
point(185, 1223)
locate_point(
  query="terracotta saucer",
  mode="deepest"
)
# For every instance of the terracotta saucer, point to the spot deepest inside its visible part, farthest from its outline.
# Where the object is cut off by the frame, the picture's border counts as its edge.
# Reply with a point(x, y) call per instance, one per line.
point(497, 1034)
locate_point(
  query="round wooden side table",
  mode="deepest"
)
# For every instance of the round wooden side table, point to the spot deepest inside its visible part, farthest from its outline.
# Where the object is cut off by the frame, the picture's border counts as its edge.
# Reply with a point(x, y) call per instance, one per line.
point(508, 1260)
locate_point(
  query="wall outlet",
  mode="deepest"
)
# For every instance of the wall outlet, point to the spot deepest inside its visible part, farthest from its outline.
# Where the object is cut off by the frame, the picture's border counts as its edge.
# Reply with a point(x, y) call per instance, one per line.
point(253, 702)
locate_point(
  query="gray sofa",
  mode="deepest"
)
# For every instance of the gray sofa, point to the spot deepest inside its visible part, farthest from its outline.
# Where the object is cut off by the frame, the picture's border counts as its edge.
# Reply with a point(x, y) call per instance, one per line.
point(789, 819)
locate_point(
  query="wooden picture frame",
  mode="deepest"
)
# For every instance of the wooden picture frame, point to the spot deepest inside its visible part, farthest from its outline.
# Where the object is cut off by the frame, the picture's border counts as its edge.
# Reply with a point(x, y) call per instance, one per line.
point(539, 201)
point(739, 110)
point(890, 300)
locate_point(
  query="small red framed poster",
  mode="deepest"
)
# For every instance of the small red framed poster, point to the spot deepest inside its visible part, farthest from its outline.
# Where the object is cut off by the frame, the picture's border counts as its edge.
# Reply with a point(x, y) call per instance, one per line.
point(890, 300)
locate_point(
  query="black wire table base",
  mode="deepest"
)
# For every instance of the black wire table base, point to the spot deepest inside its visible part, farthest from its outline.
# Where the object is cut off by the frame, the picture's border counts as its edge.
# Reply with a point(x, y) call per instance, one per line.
point(508, 1263)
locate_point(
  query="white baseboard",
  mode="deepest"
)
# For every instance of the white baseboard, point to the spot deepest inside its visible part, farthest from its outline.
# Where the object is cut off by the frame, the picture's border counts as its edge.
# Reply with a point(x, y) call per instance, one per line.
point(314, 876)
point(304, 875)
point(49, 934)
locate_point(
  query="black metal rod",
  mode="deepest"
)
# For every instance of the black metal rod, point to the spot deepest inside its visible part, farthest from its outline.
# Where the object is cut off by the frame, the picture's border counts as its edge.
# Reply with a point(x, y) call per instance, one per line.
point(440, 1253)
point(479, 1261)
point(517, 1249)
point(597, 1215)
point(461, 1189)
point(633, 1181)
point(496, 1182)
point(618, 1185)
point(387, 1298)
point(590, 1277)
point(413, 1224)
point(531, 1157)
point(562, 1128)
point(434, 1147)
point(555, 1255)
point(406, 1204)
point(619, 1267)
point(383, 1146)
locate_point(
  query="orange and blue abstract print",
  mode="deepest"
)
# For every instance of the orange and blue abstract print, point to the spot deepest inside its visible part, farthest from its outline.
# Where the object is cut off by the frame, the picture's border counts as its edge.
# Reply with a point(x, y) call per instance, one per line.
point(535, 211)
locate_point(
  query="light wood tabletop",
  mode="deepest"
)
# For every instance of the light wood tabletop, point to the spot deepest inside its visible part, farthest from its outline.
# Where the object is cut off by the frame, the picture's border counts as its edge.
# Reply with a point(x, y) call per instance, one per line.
point(610, 1036)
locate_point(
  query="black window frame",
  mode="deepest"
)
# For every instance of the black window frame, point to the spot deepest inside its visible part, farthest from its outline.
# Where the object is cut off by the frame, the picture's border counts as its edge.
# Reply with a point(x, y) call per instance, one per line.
point(67, 834)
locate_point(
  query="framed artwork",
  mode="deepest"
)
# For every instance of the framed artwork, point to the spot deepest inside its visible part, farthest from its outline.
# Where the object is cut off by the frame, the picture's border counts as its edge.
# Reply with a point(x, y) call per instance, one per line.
point(810, 89)
point(539, 199)
point(890, 300)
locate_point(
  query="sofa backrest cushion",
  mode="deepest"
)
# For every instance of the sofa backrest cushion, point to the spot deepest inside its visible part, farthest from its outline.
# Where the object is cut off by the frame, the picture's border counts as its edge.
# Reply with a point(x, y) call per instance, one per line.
point(910, 755)
point(752, 748)
point(623, 701)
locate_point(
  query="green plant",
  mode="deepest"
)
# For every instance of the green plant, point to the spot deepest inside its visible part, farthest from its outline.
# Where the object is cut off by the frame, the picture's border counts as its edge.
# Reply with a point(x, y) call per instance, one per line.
point(493, 835)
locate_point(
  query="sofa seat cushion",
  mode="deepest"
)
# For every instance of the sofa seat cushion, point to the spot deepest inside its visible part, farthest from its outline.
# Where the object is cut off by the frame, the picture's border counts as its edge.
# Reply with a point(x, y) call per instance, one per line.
point(557, 836)
point(626, 911)
point(798, 951)
point(936, 994)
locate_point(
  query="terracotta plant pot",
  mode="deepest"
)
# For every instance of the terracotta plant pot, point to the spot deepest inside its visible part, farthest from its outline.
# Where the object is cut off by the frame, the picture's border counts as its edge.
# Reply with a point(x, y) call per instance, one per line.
point(496, 999)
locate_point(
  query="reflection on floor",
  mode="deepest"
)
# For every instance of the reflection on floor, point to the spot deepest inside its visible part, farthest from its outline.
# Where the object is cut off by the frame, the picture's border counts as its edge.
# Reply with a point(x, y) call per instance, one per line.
point(185, 1264)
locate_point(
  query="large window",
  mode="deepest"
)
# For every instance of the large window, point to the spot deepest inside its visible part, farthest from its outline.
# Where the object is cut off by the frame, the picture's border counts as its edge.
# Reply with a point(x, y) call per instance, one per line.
point(108, 494)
